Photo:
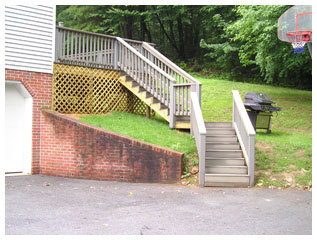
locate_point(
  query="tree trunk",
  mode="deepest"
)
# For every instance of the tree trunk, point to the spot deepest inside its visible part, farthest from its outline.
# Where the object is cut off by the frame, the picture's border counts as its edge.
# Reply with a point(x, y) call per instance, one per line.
point(182, 54)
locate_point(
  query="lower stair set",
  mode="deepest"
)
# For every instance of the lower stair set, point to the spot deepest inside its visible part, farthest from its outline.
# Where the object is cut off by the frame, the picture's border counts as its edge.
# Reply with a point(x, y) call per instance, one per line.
point(225, 164)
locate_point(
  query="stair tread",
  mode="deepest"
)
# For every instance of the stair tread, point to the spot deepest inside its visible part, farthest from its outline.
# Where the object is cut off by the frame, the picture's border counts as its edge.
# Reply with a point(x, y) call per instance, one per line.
point(221, 135)
point(222, 128)
point(221, 166)
point(224, 143)
point(224, 150)
point(217, 158)
point(227, 174)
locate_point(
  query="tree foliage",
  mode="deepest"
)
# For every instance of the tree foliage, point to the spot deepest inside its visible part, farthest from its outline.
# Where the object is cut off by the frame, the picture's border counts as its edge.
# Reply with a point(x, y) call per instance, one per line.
point(238, 40)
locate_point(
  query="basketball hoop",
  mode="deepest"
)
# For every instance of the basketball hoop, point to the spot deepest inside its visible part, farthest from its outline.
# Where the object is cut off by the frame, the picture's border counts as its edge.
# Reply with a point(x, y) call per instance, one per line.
point(298, 39)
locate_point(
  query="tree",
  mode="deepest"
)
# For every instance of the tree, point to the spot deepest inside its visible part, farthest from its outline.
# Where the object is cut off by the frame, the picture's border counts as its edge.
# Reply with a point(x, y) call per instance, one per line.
point(239, 40)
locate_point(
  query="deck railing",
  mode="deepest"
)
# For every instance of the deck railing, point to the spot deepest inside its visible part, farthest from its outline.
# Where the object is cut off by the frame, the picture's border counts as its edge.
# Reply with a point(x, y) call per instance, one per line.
point(245, 133)
point(158, 75)
point(88, 49)
point(198, 130)
point(184, 82)
point(144, 72)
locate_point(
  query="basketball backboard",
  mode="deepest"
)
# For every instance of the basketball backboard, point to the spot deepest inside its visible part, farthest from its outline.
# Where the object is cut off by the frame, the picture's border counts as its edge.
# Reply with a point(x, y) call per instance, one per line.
point(295, 26)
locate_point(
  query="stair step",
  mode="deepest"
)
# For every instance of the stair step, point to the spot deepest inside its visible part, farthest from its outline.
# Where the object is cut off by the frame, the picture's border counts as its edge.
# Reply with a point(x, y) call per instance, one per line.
point(147, 98)
point(210, 161)
point(182, 118)
point(224, 153)
point(221, 131)
point(182, 124)
point(227, 170)
point(226, 180)
point(221, 138)
point(218, 124)
point(222, 145)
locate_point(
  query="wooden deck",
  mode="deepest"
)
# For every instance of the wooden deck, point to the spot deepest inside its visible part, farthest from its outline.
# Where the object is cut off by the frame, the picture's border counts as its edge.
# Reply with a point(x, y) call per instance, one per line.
point(226, 154)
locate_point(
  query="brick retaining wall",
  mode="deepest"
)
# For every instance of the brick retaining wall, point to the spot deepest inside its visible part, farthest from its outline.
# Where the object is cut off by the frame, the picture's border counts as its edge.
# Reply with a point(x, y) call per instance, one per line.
point(70, 148)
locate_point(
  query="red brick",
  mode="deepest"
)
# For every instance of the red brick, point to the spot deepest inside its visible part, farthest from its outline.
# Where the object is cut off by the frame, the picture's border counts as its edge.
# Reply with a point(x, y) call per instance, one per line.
point(75, 149)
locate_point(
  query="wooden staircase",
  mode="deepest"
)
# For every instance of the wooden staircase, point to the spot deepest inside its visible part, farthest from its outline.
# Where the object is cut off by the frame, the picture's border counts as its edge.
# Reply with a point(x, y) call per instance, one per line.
point(226, 150)
point(148, 98)
point(225, 164)
point(181, 122)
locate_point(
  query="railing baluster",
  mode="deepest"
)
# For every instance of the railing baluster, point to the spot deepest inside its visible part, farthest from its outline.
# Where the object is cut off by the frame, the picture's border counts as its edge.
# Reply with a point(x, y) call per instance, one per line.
point(106, 51)
point(72, 46)
point(183, 98)
point(75, 55)
point(67, 45)
point(79, 46)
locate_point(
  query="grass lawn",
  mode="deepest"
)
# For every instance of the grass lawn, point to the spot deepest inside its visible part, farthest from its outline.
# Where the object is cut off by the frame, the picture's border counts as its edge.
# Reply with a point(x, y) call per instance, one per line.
point(155, 131)
point(283, 158)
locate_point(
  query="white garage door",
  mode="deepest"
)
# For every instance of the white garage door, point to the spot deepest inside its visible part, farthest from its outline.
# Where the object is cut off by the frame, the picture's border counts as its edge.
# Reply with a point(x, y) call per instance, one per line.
point(18, 128)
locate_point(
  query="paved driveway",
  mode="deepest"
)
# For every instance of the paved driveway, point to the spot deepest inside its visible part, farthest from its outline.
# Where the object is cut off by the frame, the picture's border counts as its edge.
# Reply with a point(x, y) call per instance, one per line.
point(51, 205)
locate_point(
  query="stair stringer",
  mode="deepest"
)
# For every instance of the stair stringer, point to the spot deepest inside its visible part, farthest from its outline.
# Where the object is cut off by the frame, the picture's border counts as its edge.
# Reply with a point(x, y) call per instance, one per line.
point(146, 97)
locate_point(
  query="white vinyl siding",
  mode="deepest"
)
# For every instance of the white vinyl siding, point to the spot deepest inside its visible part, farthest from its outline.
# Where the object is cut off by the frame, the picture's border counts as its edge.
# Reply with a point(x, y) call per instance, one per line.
point(30, 38)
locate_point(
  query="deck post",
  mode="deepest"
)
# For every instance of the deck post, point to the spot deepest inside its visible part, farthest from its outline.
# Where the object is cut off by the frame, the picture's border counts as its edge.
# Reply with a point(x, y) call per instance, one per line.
point(57, 44)
point(115, 55)
point(148, 112)
point(172, 104)
point(198, 91)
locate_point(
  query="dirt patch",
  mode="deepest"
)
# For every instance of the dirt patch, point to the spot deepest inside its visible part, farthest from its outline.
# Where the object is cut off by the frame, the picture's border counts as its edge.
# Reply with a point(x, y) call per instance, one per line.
point(75, 116)
point(300, 154)
point(296, 130)
point(264, 147)
point(285, 178)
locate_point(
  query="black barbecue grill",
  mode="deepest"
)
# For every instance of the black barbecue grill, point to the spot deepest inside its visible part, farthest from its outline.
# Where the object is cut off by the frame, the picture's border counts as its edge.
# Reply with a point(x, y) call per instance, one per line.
point(259, 108)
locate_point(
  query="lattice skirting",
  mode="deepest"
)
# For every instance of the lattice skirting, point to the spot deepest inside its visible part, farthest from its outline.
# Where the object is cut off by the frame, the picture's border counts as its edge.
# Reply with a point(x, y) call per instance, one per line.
point(85, 90)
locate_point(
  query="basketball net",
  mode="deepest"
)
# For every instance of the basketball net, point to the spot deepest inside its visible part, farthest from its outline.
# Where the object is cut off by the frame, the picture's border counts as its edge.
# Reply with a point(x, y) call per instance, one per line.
point(298, 40)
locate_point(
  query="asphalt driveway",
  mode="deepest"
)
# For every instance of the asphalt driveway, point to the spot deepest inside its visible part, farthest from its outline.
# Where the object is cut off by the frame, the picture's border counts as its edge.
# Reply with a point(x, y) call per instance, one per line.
point(51, 205)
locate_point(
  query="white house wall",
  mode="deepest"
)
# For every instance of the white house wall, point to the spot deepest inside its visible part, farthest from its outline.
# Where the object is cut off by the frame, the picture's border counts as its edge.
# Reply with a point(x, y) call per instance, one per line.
point(29, 38)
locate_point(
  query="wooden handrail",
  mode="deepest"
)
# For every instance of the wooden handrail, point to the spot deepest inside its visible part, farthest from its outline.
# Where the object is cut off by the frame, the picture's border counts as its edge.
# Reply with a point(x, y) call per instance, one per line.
point(102, 35)
point(245, 133)
point(145, 59)
point(243, 113)
point(168, 62)
point(198, 130)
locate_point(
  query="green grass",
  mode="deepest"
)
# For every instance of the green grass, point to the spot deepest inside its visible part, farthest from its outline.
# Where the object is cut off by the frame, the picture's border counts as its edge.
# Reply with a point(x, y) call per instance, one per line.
point(283, 158)
point(286, 152)
point(152, 131)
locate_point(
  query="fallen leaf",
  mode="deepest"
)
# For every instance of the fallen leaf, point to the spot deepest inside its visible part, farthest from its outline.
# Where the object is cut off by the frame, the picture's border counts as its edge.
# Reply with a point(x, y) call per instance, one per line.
point(130, 193)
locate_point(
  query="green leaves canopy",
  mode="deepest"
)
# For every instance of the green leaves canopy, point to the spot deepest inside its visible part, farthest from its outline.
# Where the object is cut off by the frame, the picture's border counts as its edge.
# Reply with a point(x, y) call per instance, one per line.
point(238, 40)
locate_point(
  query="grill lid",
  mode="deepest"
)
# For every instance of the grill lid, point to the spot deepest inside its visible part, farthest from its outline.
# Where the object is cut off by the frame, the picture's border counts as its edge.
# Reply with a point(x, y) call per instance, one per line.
point(259, 98)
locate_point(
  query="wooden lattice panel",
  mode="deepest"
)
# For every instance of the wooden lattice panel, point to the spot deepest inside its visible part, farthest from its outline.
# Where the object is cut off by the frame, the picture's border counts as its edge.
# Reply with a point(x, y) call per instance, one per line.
point(84, 90)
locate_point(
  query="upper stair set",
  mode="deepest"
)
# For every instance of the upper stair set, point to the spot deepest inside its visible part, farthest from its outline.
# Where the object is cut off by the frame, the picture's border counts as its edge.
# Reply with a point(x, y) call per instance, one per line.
point(225, 150)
